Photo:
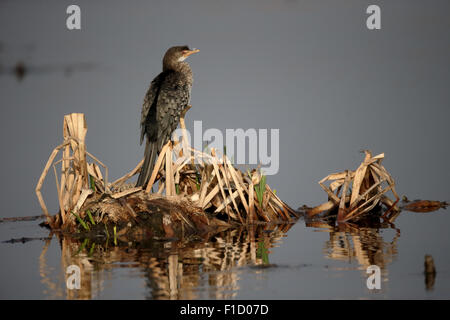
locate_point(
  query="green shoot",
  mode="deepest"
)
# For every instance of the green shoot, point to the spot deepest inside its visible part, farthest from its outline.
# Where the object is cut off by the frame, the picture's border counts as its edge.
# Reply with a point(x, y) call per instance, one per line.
point(92, 183)
point(91, 251)
point(115, 236)
point(90, 217)
point(262, 252)
point(107, 233)
point(197, 180)
point(81, 247)
point(85, 226)
point(259, 189)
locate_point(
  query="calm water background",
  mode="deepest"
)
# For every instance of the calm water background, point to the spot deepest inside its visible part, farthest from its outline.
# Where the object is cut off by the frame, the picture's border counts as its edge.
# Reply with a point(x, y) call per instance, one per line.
point(309, 68)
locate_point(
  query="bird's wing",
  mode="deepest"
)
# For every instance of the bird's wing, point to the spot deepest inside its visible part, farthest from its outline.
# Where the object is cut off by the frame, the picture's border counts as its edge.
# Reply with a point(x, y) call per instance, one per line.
point(172, 100)
point(150, 100)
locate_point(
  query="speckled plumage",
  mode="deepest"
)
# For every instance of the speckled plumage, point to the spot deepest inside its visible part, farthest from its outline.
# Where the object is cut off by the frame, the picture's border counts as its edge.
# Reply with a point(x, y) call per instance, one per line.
point(167, 97)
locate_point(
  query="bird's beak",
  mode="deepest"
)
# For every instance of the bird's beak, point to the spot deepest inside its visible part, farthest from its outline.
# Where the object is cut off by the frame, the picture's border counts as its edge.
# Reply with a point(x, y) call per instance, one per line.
point(187, 53)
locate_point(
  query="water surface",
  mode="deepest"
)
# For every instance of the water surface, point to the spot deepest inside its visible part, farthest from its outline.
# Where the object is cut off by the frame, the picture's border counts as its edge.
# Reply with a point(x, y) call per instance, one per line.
point(300, 261)
point(308, 68)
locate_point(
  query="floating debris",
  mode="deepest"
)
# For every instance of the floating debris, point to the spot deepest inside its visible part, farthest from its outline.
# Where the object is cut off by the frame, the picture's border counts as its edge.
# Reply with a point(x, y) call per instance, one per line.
point(355, 193)
point(430, 272)
point(20, 69)
point(25, 240)
point(15, 219)
point(424, 205)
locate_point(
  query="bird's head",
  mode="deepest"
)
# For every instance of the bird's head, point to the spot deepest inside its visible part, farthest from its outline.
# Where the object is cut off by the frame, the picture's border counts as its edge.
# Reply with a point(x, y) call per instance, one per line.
point(177, 54)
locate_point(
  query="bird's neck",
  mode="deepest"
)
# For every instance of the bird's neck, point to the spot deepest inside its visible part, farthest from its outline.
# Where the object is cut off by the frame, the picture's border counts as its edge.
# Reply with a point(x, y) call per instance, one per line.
point(181, 67)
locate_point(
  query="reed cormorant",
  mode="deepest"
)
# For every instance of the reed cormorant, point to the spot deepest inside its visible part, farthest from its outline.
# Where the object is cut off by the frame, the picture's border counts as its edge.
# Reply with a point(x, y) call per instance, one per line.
point(167, 97)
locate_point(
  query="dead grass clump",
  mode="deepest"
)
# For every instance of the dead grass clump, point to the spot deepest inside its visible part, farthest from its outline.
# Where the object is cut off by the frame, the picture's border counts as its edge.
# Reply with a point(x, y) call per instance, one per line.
point(355, 193)
point(194, 187)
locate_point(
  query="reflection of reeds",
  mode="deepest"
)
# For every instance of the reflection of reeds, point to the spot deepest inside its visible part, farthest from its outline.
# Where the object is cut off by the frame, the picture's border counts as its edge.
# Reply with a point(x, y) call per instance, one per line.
point(359, 243)
point(364, 245)
point(173, 270)
point(52, 289)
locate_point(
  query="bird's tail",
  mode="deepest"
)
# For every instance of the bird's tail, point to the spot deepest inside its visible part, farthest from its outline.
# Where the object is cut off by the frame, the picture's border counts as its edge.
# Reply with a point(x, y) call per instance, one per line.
point(151, 150)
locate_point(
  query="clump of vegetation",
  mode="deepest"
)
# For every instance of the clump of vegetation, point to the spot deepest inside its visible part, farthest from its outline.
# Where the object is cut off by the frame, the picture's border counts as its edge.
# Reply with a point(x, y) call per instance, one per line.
point(195, 189)
point(355, 194)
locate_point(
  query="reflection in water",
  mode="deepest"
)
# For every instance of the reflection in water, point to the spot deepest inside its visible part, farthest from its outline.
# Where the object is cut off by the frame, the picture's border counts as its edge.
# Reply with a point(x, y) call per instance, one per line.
point(362, 243)
point(52, 289)
point(430, 272)
point(209, 267)
point(172, 270)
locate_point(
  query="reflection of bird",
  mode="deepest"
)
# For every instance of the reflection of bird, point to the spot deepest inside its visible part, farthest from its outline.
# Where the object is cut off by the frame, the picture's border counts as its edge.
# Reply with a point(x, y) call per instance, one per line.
point(167, 97)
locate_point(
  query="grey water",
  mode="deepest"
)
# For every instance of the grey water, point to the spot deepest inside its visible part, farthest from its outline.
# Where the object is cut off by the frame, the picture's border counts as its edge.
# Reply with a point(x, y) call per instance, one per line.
point(311, 69)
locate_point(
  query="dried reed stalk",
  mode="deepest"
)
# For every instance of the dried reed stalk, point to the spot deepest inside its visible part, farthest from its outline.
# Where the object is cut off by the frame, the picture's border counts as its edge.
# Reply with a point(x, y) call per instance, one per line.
point(75, 171)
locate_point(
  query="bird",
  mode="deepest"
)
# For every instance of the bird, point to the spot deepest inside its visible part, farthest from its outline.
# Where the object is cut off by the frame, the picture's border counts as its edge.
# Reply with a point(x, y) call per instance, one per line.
point(168, 95)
